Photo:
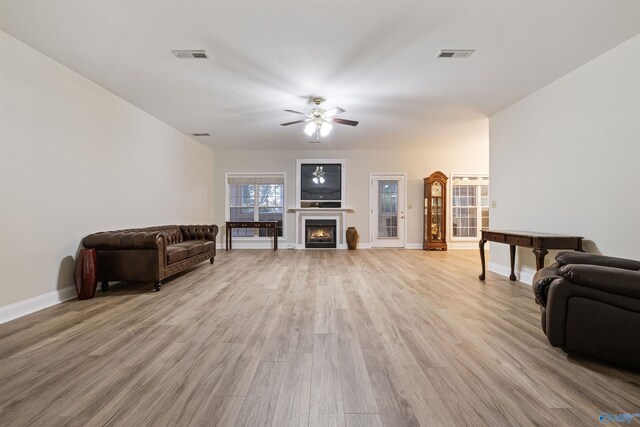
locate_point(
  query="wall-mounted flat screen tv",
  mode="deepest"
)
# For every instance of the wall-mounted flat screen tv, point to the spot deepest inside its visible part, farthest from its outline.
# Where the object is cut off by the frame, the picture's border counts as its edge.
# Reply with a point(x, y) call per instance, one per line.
point(321, 181)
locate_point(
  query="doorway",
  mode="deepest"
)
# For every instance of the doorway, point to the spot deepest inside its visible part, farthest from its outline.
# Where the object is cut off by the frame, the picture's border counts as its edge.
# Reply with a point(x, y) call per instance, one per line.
point(387, 199)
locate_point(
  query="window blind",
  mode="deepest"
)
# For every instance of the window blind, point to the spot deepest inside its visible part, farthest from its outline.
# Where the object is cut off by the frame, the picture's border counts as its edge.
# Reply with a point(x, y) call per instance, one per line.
point(249, 180)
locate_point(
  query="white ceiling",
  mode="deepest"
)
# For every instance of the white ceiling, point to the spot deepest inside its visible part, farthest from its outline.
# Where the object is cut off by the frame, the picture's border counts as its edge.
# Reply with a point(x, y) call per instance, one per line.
point(376, 59)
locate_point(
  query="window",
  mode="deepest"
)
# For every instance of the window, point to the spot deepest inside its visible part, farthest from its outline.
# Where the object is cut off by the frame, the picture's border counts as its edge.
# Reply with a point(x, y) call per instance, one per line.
point(387, 209)
point(255, 198)
point(469, 206)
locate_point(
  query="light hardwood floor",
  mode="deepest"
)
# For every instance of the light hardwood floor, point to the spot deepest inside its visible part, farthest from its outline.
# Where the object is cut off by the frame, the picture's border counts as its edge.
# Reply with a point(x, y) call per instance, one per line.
point(305, 338)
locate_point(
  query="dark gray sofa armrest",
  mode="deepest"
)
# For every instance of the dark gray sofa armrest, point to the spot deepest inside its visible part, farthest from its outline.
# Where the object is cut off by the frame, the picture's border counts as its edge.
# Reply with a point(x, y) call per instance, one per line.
point(606, 279)
point(541, 282)
point(125, 240)
point(570, 257)
point(541, 289)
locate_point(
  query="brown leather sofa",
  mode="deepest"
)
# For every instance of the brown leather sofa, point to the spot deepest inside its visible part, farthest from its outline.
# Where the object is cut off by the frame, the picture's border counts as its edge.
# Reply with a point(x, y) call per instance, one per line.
point(151, 254)
point(590, 304)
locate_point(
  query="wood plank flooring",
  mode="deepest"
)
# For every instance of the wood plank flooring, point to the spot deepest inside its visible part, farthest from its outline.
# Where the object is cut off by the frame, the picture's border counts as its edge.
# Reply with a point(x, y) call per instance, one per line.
point(305, 338)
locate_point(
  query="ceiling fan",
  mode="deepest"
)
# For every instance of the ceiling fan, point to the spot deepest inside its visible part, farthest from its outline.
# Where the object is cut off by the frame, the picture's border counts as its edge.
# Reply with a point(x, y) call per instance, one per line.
point(319, 121)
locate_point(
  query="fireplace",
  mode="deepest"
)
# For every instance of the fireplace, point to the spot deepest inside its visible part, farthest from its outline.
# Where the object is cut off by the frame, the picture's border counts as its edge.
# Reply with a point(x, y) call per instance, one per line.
point(320, 233)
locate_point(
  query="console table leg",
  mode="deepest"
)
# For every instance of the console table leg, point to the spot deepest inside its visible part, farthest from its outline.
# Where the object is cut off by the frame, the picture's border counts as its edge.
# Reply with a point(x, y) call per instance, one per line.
point(512, 261)
point(482, 242)
point(157, 285)
point(540, 254)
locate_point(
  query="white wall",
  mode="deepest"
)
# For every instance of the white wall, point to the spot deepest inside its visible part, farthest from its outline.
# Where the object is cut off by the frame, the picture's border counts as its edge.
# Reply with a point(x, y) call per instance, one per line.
point(77, 159)
point(566, 159)
point(465, 155)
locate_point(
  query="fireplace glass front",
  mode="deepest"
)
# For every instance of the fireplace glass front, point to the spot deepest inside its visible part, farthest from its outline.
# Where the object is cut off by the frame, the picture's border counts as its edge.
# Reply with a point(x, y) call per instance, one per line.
point(320, 234)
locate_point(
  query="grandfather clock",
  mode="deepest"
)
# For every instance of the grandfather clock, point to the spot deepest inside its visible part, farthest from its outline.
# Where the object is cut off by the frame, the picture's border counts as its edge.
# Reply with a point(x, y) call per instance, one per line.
point(435, 212)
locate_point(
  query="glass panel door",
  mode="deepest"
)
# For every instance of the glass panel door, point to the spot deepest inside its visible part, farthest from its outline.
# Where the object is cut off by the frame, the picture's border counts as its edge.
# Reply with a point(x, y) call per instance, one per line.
point(387, 211)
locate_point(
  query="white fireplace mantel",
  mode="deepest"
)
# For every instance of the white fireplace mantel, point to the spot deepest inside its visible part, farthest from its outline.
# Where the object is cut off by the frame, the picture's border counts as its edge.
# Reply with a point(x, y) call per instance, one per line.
point(304, 214)
point(296, 210)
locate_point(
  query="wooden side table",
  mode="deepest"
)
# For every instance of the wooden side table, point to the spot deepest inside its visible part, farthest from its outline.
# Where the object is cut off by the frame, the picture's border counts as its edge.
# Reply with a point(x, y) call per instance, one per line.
point(271, 225)
point(540, 242)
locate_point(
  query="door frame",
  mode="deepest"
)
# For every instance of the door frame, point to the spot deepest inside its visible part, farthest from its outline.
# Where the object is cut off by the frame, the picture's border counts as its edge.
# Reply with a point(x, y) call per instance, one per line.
point(392, 175)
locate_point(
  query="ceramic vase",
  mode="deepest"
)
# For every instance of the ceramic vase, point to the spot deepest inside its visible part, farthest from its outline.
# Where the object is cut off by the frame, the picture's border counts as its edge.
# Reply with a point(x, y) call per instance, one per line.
point(86, 278)
point(352, 238)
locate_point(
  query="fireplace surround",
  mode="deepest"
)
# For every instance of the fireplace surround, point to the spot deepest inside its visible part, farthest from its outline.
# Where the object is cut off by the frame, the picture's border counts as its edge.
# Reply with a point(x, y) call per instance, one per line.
point(321, 205)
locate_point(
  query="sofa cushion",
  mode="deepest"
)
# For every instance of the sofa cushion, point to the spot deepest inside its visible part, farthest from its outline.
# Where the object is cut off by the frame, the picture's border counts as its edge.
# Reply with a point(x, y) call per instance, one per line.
point(611, 280)
point(195, 247)
point(175, 253)
point(570, 257)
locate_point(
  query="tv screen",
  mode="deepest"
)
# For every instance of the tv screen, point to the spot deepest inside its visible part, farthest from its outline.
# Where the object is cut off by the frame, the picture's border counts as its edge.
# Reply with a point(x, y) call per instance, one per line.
point(321, 181)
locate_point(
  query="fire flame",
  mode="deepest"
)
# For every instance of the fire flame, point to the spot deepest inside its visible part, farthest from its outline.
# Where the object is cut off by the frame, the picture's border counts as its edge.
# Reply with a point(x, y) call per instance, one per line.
point(319, 234)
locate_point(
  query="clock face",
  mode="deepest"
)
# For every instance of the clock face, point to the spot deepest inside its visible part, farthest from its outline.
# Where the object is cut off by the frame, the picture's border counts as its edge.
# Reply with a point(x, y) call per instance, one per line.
point(436, 190)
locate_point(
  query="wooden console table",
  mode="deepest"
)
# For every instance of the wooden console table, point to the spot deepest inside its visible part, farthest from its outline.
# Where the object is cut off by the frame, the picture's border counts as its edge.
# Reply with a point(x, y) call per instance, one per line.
point(273, 225)
point(540, 242)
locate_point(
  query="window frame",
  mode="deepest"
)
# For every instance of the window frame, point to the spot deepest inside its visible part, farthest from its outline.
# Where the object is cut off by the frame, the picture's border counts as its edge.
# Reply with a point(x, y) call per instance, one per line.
point(227, 203)
point(478, 205)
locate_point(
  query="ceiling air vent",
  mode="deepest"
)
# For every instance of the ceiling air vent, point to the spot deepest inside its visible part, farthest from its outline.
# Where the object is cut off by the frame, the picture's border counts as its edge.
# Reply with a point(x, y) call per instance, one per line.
point(201, 134)
point(455, 53)
point(190, 54)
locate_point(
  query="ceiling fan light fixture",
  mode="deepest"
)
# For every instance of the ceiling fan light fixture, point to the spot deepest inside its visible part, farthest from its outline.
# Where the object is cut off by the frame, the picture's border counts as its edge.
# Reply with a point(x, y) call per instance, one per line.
point(310, 128)
point(325, 129)
point(320, 121)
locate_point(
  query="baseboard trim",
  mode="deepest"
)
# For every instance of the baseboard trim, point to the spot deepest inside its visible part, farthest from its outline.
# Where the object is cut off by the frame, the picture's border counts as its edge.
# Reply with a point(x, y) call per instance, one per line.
point(252, 244)
point(525, 275)
point(31, 305)
point(462, 245)
point(269, 245)
point(406, 246)
point(286, 245)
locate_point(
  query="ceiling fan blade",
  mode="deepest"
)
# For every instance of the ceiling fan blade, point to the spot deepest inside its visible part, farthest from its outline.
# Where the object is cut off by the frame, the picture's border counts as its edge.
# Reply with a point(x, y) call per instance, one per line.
point(344, 121)
point(293, 123)
point(295, 112)
point(334, 112)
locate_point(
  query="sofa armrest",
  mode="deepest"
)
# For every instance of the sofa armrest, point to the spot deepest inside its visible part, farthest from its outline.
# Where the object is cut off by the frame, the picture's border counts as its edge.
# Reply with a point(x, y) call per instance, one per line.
point(125, 240)
point(199, 232)
point(570, 257)
point(541, 282)
point(606, 279)
point(541, 289)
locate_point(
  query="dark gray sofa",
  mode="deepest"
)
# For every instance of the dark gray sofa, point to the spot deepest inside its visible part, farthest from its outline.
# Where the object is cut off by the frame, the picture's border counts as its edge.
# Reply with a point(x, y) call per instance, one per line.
point(590, 304)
